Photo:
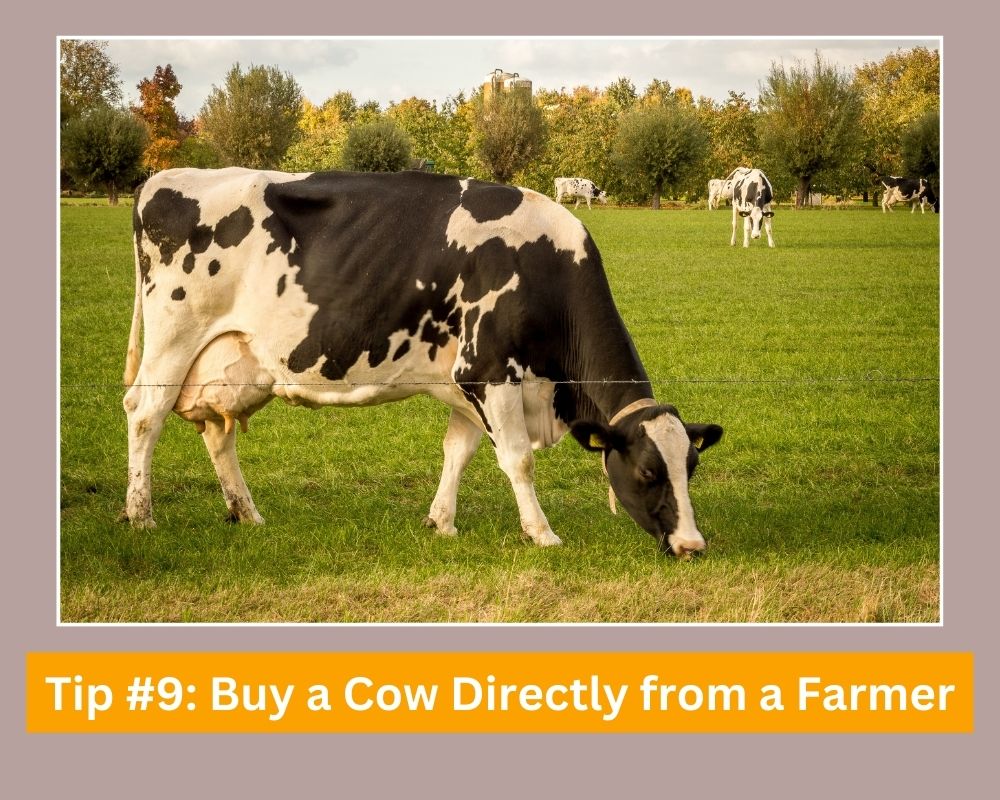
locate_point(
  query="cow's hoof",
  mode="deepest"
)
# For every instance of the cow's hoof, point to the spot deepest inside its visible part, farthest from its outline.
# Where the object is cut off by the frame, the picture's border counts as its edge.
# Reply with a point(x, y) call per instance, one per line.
point(545, 539)
point(444, 530)
point(249, 519)
point(143, 523)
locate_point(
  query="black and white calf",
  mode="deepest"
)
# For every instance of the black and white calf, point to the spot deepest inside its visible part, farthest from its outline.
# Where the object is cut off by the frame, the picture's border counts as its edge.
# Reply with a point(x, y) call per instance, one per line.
point(580, 188)
point(356, 289)
point(752, 198)
point(915, 191)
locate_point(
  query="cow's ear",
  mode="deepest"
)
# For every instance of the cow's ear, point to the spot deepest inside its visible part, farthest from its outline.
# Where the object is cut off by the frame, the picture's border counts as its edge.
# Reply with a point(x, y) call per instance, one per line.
point(596, 437)
point(703, 435)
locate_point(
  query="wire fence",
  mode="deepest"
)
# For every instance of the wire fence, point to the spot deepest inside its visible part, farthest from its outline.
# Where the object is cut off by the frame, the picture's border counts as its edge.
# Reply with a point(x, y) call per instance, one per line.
point(870, 377)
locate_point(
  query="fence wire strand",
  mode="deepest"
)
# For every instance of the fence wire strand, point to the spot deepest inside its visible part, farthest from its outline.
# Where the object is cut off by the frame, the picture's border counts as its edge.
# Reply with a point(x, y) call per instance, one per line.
point(871, 377)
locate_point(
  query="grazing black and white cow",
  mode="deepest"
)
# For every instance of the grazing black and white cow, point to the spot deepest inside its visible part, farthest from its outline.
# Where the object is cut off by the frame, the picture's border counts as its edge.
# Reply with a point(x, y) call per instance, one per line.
point(752, 198)
point(915, 191)
point(581, 189)
point(356, 289)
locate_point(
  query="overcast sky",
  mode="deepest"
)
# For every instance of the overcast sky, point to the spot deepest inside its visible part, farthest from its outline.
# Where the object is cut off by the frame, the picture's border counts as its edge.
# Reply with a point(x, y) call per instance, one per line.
point(390, 70)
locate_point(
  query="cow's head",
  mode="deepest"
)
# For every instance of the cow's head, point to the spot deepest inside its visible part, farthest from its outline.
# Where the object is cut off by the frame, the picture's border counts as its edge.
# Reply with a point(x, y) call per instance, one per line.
point(649, 457)
point(928, 192)
point(757, 215)
point(601, 195)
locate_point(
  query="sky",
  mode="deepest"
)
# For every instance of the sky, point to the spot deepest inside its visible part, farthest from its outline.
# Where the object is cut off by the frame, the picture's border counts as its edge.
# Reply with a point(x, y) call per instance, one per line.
point(390, 70)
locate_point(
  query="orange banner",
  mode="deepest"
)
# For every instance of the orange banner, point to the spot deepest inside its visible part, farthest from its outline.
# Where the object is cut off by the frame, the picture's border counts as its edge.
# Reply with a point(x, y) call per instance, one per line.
point(457, 692)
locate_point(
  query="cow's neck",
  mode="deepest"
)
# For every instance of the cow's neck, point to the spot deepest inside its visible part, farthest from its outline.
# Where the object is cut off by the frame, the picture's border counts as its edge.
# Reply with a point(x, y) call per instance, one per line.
point(610, 375)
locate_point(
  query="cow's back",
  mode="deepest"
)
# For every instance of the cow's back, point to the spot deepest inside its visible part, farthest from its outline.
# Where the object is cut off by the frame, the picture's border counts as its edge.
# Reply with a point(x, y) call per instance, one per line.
point(359, 277)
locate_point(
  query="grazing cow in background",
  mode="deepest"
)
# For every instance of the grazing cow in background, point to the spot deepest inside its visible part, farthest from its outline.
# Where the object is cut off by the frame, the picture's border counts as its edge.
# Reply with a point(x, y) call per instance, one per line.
point(580, 188)
point(715, 189)
point(915, 191)
point(752, 198)
point(356, 289)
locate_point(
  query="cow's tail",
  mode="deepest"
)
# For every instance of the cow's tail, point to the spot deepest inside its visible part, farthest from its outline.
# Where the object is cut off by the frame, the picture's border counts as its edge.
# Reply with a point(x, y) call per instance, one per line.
point(134, 354)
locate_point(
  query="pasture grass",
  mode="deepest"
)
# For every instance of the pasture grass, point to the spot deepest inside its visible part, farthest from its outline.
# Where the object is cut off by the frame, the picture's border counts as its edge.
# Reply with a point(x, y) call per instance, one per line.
point(821, 504)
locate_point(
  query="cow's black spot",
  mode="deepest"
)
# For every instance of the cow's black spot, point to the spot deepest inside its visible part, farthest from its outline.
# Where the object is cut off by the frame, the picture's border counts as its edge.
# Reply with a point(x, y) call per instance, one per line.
point(200, 238)
point(178, 293)
point(168, 220)
point(188, 264)
point(402, 350)
point(233, 228)
point(150, 289)
point(487, 201)
point(214, 266)
point(281, 285)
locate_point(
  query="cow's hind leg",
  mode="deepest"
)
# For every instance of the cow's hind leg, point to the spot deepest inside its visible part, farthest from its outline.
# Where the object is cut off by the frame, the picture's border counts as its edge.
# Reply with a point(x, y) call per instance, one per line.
point(221, 445)
point(460, 444)
point(504, 411)
point(147, 403)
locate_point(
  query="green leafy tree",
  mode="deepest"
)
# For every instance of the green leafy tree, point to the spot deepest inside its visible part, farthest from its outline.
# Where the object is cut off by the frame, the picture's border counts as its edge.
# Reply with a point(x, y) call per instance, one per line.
point(621, 94)
point(508, 132)
point(253, 119)
point(895, 92)
point(379, 146)
point(656, 148)
point(320, 143)
point(196, 151)
point(921, 148)
point(455, 155)
point(103, 147)
point(88, 78)
point(808, 120)
point(422, 123)
point(344, 104)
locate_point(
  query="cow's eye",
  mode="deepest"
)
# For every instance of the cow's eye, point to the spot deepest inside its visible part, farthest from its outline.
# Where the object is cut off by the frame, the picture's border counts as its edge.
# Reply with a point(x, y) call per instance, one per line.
point(768, 213)
point(744, 213)
point(647, 475)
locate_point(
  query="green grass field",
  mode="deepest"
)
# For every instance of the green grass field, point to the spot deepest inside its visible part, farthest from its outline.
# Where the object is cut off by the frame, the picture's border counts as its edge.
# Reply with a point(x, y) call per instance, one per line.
point(821, 504)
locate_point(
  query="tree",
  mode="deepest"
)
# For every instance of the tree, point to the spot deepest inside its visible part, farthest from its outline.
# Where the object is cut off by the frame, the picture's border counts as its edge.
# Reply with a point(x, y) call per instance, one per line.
point(656, 147)
point(621, 94)
point(808, 120)
point(508, 132)
point(253, 119)
point(88, 78)
point(455, 155)
point(103, 147)
point(156, 108)
point(379, 146)
point(921, 148)
point(320, 141)
point(422, 123)
point(895, 92)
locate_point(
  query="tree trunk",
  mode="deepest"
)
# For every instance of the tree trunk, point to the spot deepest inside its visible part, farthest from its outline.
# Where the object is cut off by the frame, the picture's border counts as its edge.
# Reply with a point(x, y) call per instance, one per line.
point(802, 193)
point(864, 196)
point(112, 194)
point(657, 188)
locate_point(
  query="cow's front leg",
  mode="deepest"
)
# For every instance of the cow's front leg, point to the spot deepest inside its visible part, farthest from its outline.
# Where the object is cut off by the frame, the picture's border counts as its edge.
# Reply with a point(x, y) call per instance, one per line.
point(460, 444)
point(504, 410)
point(767, 230)
point(747, 224)
point(221, 448)
point(732, 241)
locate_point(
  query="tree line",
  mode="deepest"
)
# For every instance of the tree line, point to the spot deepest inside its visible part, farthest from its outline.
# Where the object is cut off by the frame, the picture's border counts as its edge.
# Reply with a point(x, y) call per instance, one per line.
point(813, 127)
